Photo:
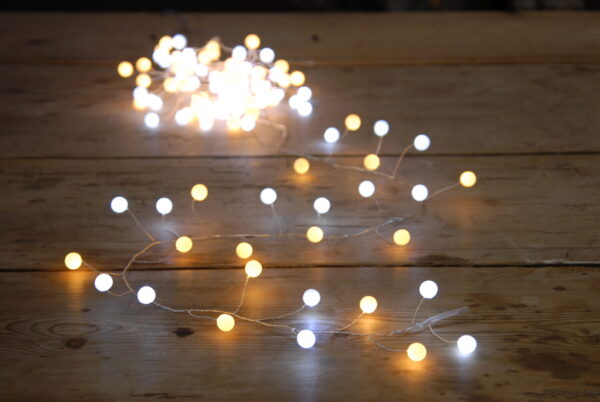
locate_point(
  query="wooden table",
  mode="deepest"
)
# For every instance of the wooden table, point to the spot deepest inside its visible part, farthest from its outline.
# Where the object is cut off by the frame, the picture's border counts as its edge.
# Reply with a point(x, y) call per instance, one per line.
point(514, 97)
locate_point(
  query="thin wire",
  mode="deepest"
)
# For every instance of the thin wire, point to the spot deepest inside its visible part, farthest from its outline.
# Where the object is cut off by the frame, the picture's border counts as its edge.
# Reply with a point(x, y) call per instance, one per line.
point(443, 190)
point(414, 317)
point(351, 324)
point(438, 336)
point(404, 151)
point(379, 144)
point(243, 294)
point(137, 222)
point(276, 219)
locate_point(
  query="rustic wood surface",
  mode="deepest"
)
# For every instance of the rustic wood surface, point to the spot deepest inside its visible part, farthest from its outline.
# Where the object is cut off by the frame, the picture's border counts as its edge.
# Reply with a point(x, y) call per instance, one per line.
point(513, 97)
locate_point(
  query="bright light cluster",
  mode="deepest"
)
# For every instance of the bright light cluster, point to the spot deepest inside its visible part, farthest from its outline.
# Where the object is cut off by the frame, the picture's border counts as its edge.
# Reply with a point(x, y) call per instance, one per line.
point(203, 85)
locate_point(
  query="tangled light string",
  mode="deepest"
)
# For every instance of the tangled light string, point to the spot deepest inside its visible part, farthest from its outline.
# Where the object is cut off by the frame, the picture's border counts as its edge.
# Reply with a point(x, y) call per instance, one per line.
point(190, 75)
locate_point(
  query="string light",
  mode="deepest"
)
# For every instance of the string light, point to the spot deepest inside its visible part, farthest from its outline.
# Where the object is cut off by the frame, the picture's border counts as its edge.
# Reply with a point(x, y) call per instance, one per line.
point(306, 339)
point(73, 261)
point(368, 304)
point(322, 205)
point(419, 192)
point(146, 295)
point(199, 192)
point(184, 244)
point(366, 188)
point(244, 250)
point(253, 268)
point(466, 344)
point(416, 352)
point(151, 120)
point(428, 289)
point(311, 297)
point(125, 69)
point(164, 206)
point(103, 282)
point(422, 142)
point(314, 234)
point(225, 322)
point(468, 179)
point(301, 165)
point(119, 205)
point(401, 237)
point(268, 196)
point(352, 122)
point(381, 128)
point(331, 135)
point(252, 41)
point(371, 162)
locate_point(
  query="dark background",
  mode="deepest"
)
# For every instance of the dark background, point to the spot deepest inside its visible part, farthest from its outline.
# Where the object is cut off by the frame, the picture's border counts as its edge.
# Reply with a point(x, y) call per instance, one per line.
point(305, 5)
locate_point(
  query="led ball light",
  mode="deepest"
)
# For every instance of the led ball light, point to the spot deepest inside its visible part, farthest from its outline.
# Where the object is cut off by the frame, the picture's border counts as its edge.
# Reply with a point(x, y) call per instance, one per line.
point(266, 55)
point(151, 120)
point(422, 142)
point(297, 78)
point(428, 289)
point(304, 93)
point(119, 205)
point(314, 234)
point(322, 205)
point(146, 295)
point(143, 80)
point(184, 116)
point(125, 69)
point(301, 165)
point(416, 352)
point(244, 250)
point(143, 64)
point(199, 192)
point(253, 268)
point(268, 196)
point(468, 179)
point(311, 297)
point(331, 135)
point(252, 41)
point(305, 109)
point(366, 188)
point(73, 261)
point(352, 122)
point(419, 192)
point(103, 282)
point(306, 339)
point(466, 344)
point(225, 322)
point(368, 304)
point(164, 206)
point(371, 162)
point(402, 237)
point(184, 244)
point(179, 41)
point(381, 128)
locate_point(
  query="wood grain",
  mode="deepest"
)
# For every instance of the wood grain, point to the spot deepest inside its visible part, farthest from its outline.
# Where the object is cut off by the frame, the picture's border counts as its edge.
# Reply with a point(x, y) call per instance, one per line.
point(537, 331)
point(524, 210)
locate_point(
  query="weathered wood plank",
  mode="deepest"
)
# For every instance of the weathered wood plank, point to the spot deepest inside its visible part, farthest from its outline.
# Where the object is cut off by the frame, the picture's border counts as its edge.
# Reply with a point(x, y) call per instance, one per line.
point(524, 210)
point(86, 111)
point(537, 331)
point(331, 38)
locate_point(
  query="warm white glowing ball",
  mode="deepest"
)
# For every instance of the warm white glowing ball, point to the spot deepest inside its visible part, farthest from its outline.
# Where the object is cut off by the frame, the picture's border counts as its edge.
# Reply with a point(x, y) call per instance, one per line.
point(467, 179)
point(253, 268)
point(268, 196)
point(199, 192)
point(311, 297)
point(119, 204)
point(243, 250)
point(146, 295)
point(466, 344)
point(428, 289)
point(164, 205)
point(73, 261)
point(314, 234)
point(419, 192)
point(368, 304)
point(225, 322)
point(416, 352)
point(322, 205)
point(184, 244)
point(381, 128)
point(103, 282)
point(306, 338)
point(422, 142)
point(331, 135)
point(366, 188)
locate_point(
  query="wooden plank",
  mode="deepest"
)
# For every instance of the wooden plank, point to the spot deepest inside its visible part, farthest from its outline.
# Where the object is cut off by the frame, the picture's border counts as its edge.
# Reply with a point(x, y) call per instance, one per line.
point(85, 111)
point(537, 332)
point(308, 38)
point(524, 210)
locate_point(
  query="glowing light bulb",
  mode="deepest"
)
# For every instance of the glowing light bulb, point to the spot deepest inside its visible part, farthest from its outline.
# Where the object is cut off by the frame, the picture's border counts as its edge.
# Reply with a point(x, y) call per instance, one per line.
point(143, 80)
point(305, 109)
point(184, 116)
point(422, 142)
point(166, 42)
point(244, 250)
point(368, 304)
point(164, 206)
point(239, 53)
point(371, 162)
point(381, 128)
point(428, 289)
point(103, 282)
point(282, 65)
point(73, 261)
point(416, 352)
point(268, 196)
point(252, 41)
point(331, 135)
point(253, 268)
point(314, 234)
point(401, 237)
point(304, 93)
point(311, 297)
point(247, 123)
point(225, 322)
point(184, 244)
point(140, 93)
point(146, 295)
point(466, 344)
point(468, 179)
point(119, 204)
point(143, 64)
point(154, 102)
point(366, 188)
point(297, 78)
point(301, 165)
point(199, 192)
point(306, 339)
point(125, 69)
point(352, 122)
point(419, 192)
point(266, 55)
point(179, 41)
point(151, 120)
point(322, 205)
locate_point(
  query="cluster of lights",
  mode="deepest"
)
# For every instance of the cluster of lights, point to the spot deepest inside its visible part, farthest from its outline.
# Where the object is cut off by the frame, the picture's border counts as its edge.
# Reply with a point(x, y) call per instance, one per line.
point(201, 86)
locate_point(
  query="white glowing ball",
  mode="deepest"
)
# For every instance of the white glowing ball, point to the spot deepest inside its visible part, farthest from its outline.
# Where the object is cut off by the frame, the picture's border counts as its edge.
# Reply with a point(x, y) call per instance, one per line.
point(306, 338)
point(154, 102)
point(247, 123)
point(381, 128)
point(239, 53)
point(266, 55)
point(305, 108)
point(184, 116)
point(179, 41)
point(366, 188)
point(268, 196)
point(311, 297)
point(146, 295)
point(322, 205)
point(428, 289)
point(422, 142)
point(419, 192)
point(139, 93)
point(331, 135)
point(151, 120)
point(294, 102)
point(164, 205)
point(304, 93)
point(466, 344)
point(119, 204)
point(103, 282)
